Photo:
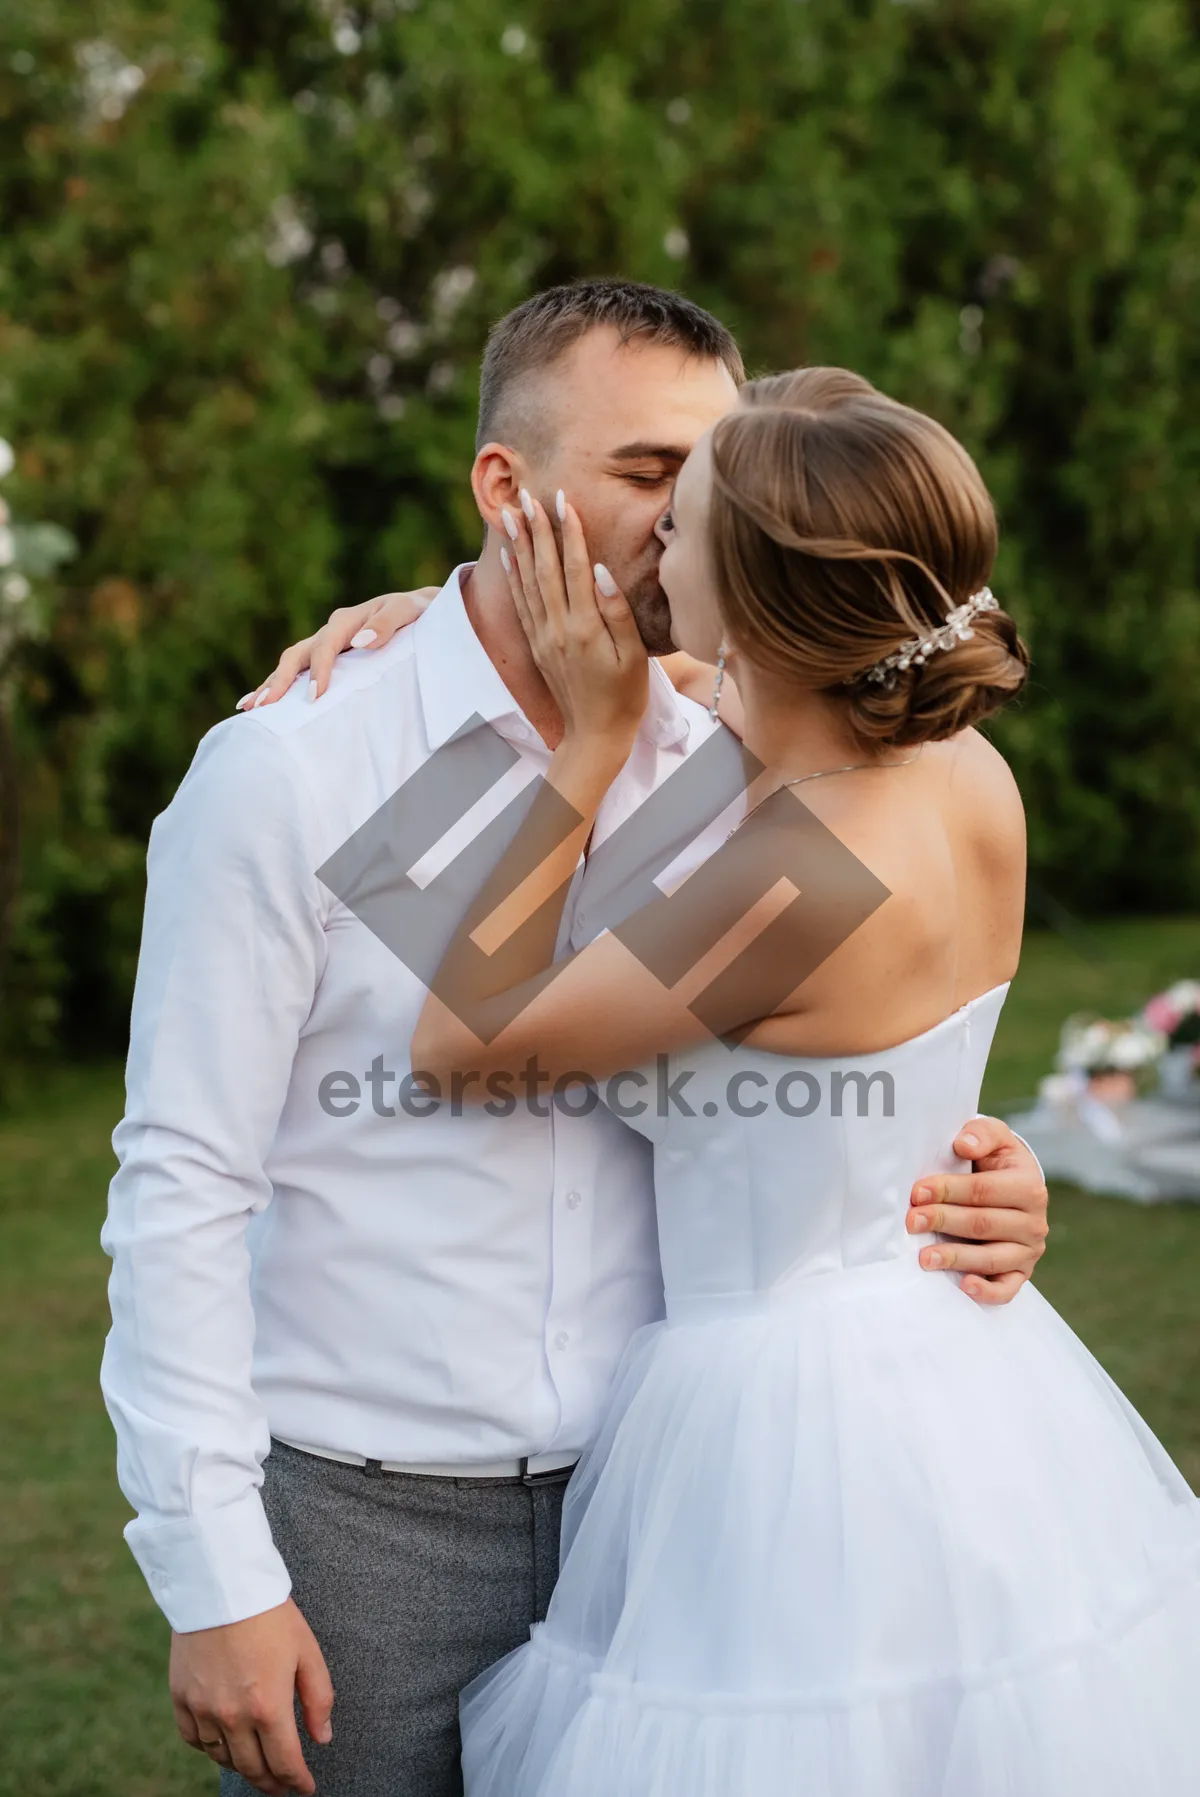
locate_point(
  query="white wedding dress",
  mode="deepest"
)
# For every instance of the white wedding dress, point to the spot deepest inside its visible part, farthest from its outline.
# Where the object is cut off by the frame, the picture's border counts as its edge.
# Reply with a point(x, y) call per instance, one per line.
point(844, 1532)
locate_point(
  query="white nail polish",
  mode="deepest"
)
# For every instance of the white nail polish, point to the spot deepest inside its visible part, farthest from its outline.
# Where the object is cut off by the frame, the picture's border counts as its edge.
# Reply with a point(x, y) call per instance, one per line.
point(604, 580)
point(363, 639)
point(560, 505)
point(243, 701)
point(505, 559)
point(312, 690)
point(262, 698)
point(527, 505)
point(510, 523)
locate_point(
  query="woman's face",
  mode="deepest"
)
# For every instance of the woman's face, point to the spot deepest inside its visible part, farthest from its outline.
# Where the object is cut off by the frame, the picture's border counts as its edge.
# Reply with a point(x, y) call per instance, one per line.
point(686, 568)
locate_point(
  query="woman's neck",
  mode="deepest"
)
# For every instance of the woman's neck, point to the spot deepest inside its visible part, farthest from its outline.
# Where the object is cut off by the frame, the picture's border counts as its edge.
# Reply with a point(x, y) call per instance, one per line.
point(793, 732)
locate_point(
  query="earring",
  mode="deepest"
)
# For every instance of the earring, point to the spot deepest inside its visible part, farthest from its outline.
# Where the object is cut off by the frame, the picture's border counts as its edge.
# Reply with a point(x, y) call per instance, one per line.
point(717, 684)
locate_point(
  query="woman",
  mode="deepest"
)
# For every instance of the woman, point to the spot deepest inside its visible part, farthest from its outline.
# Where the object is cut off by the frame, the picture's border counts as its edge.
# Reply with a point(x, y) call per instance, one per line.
point(784, 1570)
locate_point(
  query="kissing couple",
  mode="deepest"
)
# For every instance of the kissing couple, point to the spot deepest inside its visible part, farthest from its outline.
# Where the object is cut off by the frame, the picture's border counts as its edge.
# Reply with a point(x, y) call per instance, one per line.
point(714, 1447)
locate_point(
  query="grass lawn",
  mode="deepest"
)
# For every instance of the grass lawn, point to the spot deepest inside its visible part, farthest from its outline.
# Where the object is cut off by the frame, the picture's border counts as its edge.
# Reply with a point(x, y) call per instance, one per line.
point(83, 1704)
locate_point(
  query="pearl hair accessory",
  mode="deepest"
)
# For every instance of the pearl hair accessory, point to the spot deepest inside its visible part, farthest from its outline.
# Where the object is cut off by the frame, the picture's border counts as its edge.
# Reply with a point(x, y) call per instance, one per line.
point(917, 651)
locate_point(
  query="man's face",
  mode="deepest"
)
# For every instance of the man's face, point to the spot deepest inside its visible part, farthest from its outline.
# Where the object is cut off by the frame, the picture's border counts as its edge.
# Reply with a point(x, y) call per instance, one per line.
point(622, 419)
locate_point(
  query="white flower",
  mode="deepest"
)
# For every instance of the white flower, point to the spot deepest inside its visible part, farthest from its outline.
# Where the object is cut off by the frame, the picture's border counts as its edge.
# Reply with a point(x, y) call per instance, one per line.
point(514, 40)
point(109, 82)
point(1093, 1045)
point(8, 547)
point(289, 237)
point(15, 589)
point(450, 288)
point(404, 338)
point(8, 460)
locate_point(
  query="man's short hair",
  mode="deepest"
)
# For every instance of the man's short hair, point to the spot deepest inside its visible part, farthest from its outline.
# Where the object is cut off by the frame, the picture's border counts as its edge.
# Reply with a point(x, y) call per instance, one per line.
point(533, 336)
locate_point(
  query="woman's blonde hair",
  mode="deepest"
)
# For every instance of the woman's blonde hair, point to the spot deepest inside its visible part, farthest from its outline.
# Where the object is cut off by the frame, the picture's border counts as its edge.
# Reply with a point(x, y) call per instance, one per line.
point(844, 525)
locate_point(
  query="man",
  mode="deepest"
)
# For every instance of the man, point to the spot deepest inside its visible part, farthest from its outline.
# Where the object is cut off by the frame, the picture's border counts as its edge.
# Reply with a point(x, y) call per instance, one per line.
point(357, 1345)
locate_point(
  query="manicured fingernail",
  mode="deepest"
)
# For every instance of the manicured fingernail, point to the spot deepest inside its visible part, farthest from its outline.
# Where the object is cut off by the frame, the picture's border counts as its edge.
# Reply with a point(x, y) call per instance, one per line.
point(505, 559)
point(312, 690)
point(604, 580)
point(262, 698)
point(243, 701)
point(923, 1194)
point(527, 505)
point(969, 1139)
point(920, 1221)
point(560, 505)
point(509, 522)
point(972, 1287)
point(933, 1260)
point(325, 1733)
point(363, 639)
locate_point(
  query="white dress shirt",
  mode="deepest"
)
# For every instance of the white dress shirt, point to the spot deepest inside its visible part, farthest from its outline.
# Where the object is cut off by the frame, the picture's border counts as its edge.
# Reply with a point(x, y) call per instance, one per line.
point(424, 1289)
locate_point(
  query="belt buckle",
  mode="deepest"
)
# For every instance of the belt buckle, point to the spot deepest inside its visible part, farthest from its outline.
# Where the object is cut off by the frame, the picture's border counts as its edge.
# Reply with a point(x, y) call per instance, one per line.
point(542, 1478)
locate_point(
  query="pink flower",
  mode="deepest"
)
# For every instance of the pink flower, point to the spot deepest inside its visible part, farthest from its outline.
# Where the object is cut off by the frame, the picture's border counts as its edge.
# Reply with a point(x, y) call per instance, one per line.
point(1161, 1014)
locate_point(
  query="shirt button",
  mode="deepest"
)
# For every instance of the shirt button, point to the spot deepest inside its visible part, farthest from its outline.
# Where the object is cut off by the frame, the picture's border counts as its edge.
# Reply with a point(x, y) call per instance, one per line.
point(574, 1200)
point(561, 1339)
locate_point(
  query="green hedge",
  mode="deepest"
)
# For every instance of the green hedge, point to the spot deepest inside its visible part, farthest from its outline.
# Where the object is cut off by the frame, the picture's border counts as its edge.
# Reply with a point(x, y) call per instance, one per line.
point(249, 253)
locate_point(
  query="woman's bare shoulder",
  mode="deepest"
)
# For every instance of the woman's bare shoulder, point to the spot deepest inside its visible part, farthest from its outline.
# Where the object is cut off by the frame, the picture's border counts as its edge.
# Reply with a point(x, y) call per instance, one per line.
point(951, 858)
point(984, 802)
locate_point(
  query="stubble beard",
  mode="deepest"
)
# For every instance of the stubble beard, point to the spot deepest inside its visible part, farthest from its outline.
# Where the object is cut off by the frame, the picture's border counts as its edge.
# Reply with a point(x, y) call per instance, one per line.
point(651, 613)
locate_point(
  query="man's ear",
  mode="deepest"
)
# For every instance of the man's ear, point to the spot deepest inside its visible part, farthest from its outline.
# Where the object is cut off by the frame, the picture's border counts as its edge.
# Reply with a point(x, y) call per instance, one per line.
point(497, 476)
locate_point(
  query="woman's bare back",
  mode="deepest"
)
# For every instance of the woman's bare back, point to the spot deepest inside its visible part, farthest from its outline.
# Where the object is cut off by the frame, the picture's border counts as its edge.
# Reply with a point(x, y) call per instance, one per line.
point(946, 835)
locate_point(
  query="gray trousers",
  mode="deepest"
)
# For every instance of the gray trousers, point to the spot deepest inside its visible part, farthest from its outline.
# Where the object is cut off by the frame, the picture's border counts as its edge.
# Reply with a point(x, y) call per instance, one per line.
point(411, 1585)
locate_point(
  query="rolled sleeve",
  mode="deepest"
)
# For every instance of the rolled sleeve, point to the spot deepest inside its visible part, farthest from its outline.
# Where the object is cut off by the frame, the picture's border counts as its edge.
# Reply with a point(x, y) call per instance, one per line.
point(232, 950)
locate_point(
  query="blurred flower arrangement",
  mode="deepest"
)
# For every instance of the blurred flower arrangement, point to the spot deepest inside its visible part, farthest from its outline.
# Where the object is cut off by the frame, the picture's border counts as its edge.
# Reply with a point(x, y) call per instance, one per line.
point(1110, 1056)
point(1112, 1060)
point(1176, 1014)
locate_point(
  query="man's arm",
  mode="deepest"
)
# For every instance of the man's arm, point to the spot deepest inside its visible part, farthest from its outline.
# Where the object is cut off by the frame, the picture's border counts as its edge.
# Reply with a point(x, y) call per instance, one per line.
point(996, 1215)
point(232, 949)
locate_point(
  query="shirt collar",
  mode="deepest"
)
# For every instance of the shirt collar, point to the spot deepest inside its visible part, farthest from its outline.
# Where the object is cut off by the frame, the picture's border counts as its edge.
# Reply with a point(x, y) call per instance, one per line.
point(455, 677)
point(457, 681)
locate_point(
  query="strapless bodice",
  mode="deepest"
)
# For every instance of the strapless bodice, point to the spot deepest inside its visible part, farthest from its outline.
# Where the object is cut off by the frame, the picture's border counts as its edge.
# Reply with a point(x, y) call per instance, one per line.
point(770, 1170)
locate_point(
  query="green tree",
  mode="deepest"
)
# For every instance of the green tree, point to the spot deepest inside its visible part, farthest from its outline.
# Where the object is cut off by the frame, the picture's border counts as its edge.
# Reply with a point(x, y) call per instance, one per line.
point(251, 253)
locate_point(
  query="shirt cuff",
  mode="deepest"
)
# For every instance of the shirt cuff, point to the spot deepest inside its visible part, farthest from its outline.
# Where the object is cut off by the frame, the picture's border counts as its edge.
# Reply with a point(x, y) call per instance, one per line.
point(210, 1569)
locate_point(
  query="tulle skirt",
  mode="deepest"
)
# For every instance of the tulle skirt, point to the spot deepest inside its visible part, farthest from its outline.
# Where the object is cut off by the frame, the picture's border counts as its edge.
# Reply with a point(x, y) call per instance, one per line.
point(860, 1538)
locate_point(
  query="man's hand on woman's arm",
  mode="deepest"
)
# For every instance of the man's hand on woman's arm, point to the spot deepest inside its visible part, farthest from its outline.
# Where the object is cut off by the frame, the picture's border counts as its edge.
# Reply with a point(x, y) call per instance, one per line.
point(995, 1216)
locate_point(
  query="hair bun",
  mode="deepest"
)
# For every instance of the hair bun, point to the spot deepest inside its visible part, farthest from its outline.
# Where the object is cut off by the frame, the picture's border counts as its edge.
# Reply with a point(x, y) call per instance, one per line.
point(847, 529)
point(952, 690)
